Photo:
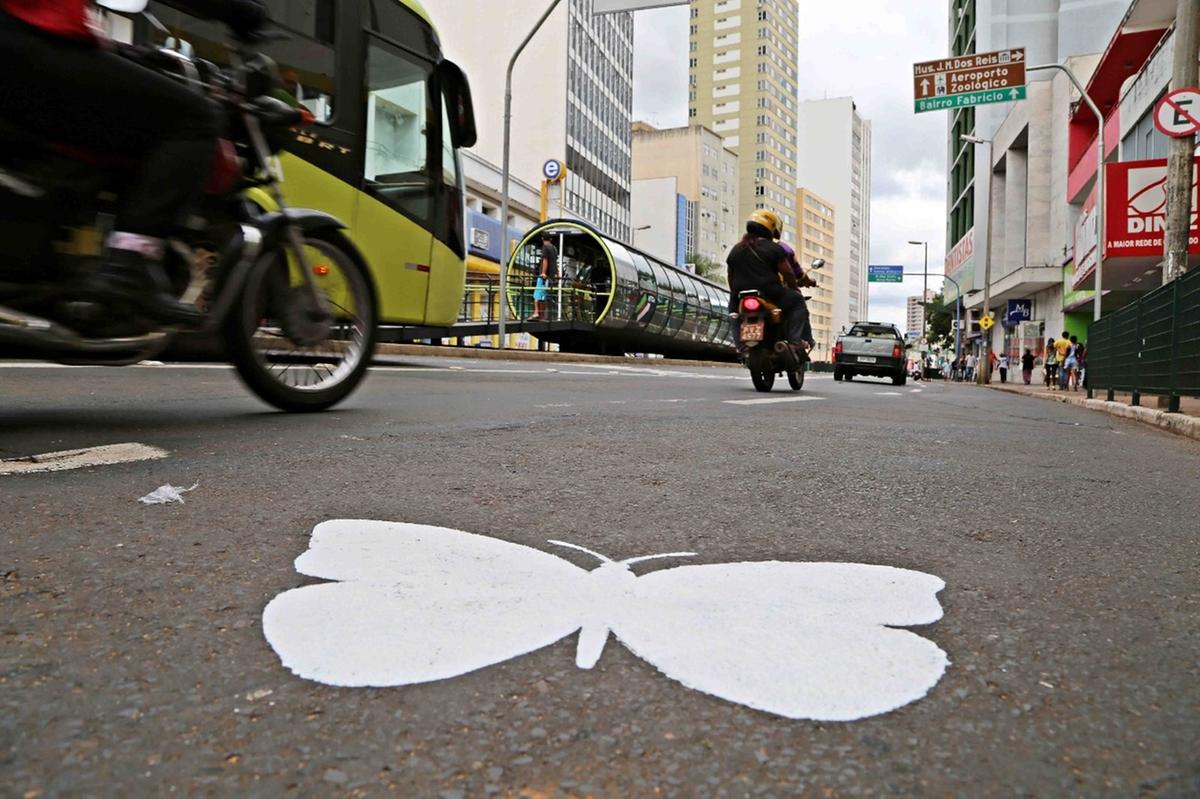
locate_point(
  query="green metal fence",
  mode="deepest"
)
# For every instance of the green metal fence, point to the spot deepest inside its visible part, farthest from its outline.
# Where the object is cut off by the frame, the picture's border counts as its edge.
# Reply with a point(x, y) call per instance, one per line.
point(1151, 346)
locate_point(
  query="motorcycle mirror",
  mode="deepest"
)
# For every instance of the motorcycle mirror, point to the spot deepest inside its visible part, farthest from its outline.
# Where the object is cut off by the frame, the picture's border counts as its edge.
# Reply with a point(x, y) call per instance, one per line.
point(817, 263)
point(124, 6)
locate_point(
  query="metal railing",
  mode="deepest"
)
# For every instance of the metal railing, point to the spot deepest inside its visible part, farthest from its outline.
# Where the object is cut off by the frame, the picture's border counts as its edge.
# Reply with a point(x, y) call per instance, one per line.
point(1151, 346)
point(566, 300)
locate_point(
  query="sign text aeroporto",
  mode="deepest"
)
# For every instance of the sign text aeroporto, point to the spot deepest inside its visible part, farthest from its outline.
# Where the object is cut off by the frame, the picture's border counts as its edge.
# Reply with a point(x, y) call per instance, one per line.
point(977, 79)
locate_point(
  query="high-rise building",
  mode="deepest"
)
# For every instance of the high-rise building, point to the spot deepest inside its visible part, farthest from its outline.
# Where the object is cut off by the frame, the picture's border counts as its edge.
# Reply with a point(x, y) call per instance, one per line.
point(835, 161)
point(742, 85)
point(706, 174)
point(1051, 31)
point(815, 237)
point(572, 97)
point(916, 314)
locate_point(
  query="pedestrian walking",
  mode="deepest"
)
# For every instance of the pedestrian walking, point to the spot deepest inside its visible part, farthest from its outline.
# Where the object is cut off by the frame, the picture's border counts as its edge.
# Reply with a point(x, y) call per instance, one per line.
point(1051, 366)
point(1081, 356)
point(1003, 365)
point(969, 370)
point(1027, 366)
point(1071, 366)
point(1062, 349)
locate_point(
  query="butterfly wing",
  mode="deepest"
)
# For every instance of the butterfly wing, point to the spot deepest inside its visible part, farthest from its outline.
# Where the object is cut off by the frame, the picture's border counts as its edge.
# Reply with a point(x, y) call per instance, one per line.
point(416, 603)
point(801, 640)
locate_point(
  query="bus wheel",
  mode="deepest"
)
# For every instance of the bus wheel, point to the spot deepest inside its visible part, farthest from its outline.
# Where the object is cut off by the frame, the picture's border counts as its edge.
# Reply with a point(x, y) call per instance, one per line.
point(286, 356)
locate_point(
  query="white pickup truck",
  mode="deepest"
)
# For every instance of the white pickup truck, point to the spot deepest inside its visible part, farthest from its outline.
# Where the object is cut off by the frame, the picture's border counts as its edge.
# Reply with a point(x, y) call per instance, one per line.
point(871, 348)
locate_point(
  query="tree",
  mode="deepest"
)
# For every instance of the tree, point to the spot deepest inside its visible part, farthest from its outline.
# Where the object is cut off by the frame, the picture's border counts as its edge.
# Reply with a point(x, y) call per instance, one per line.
point(708, 268)
point(940, 321)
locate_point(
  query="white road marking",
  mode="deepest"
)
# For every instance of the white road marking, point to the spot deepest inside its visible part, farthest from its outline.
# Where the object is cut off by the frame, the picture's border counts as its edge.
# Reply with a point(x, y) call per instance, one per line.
point(916, 391)
point(406, 604)
point(106, 455)
point(888, 394)
point(771, 400)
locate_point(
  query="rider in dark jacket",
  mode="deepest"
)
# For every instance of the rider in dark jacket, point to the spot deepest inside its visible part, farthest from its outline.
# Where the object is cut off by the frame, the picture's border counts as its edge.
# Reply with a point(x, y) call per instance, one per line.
point(758, 263)
point(62, 82)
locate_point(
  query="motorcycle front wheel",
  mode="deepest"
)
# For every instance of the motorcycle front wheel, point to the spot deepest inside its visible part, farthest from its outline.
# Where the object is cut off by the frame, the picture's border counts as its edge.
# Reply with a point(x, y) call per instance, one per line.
point(762, 371)
point(796, 378)
point(286, 358)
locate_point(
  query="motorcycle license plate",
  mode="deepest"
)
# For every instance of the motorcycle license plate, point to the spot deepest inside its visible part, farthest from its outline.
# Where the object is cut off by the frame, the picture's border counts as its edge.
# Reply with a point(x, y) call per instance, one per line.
point(753, 332)
point(866, 359)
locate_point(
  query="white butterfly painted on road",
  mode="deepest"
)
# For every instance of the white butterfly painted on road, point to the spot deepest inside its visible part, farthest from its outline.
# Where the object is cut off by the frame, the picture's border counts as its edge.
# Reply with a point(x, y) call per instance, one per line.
point(414, 603)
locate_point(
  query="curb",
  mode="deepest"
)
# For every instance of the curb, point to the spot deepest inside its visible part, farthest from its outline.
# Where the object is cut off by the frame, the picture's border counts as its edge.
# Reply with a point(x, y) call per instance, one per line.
point(490, 354)
point(1178, 423)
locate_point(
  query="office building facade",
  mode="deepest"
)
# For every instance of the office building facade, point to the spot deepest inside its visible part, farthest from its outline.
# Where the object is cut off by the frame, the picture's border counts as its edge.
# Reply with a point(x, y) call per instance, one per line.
point(835, 161)
point(707, 175)
point(815, 238)
point(572, 96)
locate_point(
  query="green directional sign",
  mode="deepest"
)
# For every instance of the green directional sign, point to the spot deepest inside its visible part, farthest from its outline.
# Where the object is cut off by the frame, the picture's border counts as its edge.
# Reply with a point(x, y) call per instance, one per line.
point(969, 99)
point(969, 80)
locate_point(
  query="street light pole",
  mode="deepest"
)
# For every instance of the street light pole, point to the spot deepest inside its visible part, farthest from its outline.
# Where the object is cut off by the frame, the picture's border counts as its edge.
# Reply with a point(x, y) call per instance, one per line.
point(957, 308)
point(983, 370)
point(1099, 175)
point(505, 246)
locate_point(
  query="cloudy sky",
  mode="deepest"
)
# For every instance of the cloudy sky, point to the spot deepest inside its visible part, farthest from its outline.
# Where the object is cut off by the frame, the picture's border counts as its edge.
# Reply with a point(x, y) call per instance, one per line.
point(859, 48)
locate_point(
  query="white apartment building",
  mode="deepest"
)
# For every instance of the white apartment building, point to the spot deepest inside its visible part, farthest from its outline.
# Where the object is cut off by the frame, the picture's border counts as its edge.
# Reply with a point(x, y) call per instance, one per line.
point(572, 96)
point(834, 160)
point(915, 326)
point(706, 174)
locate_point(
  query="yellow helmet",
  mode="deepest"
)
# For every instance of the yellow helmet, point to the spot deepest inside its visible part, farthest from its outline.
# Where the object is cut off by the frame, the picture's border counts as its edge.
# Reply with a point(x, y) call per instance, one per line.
point(769, 220)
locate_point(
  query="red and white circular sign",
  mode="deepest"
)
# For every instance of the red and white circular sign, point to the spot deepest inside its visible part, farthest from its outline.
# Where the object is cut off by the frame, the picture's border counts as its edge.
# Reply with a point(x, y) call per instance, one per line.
point(1178, 113)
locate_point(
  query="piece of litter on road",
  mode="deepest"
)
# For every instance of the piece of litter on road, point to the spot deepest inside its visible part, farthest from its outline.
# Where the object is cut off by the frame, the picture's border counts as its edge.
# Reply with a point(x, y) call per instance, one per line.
point(1045, 684)
point(261, 693)
point(164, 495)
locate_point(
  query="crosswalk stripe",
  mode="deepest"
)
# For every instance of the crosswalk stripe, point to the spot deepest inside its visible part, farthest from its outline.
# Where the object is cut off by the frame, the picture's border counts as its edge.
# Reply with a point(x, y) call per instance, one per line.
point(771, 400)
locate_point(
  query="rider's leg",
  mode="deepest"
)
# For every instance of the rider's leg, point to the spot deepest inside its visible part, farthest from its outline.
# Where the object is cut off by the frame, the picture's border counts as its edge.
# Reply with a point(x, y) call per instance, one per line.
point(81, 95)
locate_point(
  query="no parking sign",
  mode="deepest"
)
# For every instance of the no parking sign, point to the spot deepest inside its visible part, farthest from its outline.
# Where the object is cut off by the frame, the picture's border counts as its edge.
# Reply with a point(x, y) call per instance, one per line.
point(1178, 113)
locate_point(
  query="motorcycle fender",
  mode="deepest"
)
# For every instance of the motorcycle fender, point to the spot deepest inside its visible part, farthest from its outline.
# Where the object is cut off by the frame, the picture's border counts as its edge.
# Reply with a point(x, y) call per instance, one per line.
point(273, 225)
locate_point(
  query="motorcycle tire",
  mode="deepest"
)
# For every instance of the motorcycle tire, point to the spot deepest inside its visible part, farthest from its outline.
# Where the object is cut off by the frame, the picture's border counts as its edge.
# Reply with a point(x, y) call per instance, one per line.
point(762, 371)
point(796, 378)
point(313, 377)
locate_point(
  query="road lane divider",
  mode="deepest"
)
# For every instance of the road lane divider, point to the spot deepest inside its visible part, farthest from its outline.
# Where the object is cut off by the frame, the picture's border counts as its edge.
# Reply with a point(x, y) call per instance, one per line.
point(771, 400)
point(107, 455)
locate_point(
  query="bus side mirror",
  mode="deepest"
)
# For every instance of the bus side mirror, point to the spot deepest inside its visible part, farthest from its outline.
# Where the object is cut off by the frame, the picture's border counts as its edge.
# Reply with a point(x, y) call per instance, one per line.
point(457, 93)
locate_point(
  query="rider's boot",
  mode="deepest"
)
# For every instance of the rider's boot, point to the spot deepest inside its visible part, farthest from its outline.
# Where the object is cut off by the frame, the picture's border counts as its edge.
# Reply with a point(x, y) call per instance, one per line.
point(134, 278)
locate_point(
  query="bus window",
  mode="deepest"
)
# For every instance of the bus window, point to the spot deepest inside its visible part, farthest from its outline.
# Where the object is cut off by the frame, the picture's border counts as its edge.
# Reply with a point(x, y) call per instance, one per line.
point(449, 155)
point(397, 163)
point(391, 20)
point(305, 58)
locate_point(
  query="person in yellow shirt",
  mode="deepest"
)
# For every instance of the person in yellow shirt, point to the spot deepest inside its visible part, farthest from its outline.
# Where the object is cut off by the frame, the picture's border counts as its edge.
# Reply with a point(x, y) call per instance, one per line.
point(1062, 348)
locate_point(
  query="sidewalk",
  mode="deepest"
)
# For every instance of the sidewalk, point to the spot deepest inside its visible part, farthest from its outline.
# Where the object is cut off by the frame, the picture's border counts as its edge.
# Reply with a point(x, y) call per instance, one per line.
point(1184, 423)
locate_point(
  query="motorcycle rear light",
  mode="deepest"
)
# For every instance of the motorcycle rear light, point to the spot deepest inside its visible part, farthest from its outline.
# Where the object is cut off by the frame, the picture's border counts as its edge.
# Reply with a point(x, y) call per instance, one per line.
point(320, 271)
point(751, 304)
point(307, 118)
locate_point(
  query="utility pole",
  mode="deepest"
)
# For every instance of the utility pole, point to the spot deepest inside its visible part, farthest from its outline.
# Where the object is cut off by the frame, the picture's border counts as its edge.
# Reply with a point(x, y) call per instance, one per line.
point(982, 376)
point(1182, 151)
point(924, 295)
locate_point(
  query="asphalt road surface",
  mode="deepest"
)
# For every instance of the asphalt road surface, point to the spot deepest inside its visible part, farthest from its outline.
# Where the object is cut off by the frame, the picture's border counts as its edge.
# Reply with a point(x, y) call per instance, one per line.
point(133, 660)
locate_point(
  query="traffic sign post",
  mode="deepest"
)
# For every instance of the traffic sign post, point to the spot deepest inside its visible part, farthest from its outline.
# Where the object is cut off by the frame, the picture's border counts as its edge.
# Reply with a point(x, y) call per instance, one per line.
point(1178, 113)
point(885, 273)
point(987, 322)
point(980, 79)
